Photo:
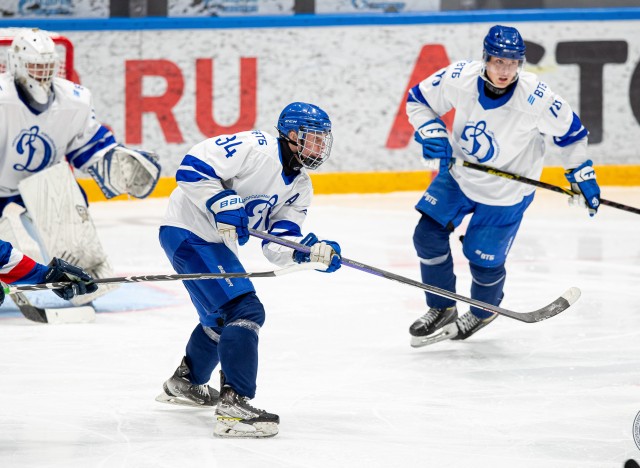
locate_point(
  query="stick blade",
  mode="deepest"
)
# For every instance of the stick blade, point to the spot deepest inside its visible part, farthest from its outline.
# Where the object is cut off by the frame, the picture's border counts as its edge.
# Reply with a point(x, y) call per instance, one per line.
point(562, 303)
point(84, 314)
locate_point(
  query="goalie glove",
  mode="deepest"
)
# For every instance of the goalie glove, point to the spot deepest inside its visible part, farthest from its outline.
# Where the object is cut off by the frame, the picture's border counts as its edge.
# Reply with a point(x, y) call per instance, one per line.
point(583, 182)
point(327, 252)
point(124, 170)
point(61, 271)
point(230, 218)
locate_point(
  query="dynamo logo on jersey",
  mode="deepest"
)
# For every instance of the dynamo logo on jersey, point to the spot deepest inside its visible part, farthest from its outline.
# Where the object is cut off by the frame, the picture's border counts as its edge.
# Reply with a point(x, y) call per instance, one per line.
point(478, 142)
point(262, 209)
point(37, 147)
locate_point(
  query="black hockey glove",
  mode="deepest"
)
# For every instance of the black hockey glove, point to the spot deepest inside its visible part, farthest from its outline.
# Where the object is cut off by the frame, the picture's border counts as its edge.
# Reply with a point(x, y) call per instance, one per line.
point(2, 286)
point(61, 271)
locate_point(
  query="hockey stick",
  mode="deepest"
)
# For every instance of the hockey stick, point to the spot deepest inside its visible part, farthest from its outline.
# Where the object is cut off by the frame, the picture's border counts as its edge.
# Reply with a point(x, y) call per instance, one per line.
point(37, 314)
point(537, 183)
point(570, 296)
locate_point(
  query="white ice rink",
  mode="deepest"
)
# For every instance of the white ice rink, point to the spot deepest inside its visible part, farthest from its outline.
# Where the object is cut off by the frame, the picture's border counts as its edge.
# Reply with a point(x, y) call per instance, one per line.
point(335, 360)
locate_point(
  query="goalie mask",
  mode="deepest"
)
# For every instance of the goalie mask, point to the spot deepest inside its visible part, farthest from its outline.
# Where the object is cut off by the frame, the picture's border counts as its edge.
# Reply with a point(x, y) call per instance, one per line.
point(33, 62)
point(313, 129)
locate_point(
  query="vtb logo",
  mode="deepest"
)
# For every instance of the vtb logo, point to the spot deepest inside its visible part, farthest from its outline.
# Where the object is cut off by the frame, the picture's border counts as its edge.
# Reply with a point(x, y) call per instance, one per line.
point(37, 147)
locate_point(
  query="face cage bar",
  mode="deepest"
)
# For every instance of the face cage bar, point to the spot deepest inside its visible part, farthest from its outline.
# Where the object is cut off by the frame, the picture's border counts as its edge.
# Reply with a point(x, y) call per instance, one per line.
point(317, 157)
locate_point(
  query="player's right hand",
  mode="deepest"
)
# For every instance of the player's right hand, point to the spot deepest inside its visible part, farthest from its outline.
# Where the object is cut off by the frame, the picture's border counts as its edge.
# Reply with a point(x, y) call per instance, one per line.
point(61, 271)
point(583, 183)
point(434, 138)
point(230, 216)
point(326, 251)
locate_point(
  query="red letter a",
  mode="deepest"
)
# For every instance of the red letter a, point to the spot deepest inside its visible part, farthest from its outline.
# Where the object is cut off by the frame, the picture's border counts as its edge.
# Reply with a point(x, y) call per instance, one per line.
point(431, 59)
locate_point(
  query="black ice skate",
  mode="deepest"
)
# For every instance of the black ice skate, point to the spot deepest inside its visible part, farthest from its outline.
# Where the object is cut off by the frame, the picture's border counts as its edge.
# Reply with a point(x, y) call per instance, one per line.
point(235, 417)
point(469, 324)
point(430, 323)
point(178, 390)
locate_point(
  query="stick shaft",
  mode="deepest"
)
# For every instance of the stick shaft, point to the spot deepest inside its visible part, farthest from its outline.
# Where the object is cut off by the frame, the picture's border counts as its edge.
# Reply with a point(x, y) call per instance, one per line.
point(538, 183)
point(388, 275)
point(175, 277)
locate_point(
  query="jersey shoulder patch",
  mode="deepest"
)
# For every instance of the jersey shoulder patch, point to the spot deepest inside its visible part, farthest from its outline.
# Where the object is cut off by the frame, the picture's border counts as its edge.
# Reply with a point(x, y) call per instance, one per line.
point(68, 91)
point(537, 93)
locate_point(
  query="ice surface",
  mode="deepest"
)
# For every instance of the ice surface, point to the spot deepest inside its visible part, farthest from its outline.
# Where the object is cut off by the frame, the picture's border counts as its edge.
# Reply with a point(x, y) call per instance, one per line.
point(336, 364)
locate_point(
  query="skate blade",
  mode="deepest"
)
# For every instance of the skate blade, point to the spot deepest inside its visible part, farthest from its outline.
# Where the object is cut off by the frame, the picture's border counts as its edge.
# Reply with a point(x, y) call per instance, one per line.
point(232, 428)
point(179, 401)
point(447, 332)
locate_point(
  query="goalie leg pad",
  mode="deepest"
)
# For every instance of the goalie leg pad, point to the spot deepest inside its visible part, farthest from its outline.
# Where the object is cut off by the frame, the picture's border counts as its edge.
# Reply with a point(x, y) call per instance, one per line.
point(124, 170)
point(61, 219)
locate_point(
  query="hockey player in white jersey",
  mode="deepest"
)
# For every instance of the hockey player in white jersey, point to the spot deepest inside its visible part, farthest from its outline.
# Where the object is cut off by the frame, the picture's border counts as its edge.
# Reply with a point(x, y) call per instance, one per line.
point(227, 184)
point(503, 116)
point(46, 122)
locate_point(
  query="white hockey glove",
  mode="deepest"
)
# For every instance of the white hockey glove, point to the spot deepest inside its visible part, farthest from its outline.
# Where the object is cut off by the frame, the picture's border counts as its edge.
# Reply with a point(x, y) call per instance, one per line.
point(124, 170)
point(327, 252)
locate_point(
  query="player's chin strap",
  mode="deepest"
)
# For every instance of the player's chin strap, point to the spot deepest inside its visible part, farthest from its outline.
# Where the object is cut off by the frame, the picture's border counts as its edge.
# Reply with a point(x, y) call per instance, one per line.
point(536, 183)
point(554, 308)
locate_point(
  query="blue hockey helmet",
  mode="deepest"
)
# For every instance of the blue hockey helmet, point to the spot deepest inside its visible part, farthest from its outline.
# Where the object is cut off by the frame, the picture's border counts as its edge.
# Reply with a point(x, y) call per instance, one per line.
point(504, 42)
point(313, 129)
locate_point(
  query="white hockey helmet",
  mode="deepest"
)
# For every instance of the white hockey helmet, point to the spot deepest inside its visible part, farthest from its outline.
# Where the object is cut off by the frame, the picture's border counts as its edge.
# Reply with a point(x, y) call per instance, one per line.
point(33, 62)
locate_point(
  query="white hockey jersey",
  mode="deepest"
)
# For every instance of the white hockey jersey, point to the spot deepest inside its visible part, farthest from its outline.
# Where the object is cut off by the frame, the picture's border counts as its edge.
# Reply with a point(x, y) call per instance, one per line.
point(507, 133)
point(32, 141)
point(251, 164)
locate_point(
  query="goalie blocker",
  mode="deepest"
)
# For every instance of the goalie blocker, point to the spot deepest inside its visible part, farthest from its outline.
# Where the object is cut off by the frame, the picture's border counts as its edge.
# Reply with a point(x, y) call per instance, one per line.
point(124, 170)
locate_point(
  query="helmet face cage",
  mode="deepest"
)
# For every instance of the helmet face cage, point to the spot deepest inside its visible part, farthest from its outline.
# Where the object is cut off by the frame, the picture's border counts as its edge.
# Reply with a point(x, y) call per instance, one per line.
point(506, 43)
point(33, 61)
point(313, 129)
point(314, 147)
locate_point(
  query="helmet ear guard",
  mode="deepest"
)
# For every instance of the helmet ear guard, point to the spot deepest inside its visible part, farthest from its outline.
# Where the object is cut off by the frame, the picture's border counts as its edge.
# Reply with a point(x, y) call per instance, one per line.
point(313, 129)
point(33, 62)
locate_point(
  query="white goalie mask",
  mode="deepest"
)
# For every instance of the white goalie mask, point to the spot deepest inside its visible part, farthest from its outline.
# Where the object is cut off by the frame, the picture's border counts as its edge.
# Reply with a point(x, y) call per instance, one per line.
point(33, 62)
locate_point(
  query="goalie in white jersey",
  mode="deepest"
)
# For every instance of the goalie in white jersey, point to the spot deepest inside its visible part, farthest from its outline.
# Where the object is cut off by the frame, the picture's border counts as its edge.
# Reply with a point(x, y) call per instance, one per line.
point(46, 122)
point(227, 184)
point(503, 116)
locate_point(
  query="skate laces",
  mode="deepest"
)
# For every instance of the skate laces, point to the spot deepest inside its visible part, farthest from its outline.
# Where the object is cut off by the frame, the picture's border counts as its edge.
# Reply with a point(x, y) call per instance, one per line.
point(432, 315)
point(467, 322)
point(202, 390)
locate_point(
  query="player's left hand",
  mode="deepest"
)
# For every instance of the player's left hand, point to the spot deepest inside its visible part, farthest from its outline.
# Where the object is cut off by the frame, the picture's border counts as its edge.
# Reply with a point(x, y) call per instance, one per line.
point(2, 295)
point(61, 271)
point(327, 252)
point(583, 182)
point(434, 138)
